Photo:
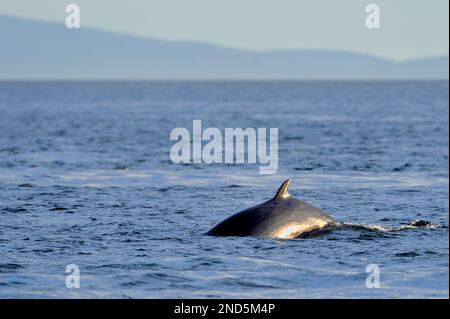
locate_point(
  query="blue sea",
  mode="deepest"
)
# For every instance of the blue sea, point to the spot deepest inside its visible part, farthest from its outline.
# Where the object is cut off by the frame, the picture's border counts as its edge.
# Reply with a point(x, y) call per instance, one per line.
point(86, 179)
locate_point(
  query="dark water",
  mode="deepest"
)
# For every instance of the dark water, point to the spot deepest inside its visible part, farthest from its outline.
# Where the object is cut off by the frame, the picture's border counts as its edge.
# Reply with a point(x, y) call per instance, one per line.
point(86, 179)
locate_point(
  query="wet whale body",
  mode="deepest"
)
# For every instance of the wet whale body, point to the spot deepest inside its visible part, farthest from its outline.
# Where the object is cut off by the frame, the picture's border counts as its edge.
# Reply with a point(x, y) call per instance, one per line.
point(283, 216)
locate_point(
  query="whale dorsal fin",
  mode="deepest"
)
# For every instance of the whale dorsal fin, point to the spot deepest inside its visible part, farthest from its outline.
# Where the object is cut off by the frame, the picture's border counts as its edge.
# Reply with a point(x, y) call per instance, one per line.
point(283, 190)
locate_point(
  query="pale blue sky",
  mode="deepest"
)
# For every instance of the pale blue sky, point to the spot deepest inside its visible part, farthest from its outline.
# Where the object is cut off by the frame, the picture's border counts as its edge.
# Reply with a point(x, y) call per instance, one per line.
point(409, 29)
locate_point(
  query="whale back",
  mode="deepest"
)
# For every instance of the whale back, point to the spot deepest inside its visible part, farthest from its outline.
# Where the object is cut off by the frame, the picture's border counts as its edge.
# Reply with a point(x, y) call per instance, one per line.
point(281, 217)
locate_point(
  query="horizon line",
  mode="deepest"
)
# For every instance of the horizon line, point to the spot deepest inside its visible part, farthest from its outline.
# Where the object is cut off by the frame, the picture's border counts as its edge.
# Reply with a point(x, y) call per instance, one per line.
point(105, 80)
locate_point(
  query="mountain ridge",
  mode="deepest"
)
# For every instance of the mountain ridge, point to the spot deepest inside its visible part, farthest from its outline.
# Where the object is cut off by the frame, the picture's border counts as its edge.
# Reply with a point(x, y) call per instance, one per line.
point(33, 49)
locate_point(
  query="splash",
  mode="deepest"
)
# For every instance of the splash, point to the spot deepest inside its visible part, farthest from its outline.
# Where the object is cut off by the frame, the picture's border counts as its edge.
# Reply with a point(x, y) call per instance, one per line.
point(390, 228)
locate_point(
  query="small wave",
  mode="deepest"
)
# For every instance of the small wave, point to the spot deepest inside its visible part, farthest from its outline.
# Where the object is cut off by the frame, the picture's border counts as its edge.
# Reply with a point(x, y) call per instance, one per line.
point(407, 254)
point(58, 208)
point(25, 185)
point(401, 168)
point(14, 210)
point(9, 267)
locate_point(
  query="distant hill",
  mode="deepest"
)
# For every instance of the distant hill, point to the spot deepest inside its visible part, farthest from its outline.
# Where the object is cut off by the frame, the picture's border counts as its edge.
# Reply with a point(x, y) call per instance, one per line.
point(41, 50)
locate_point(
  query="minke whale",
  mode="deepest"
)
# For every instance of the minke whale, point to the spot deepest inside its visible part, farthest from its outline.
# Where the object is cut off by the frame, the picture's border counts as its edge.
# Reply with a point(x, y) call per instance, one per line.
point(283, 217)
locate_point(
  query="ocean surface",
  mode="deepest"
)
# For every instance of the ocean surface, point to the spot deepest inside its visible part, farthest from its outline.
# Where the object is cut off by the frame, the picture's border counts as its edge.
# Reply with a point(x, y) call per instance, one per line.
point(86, 179)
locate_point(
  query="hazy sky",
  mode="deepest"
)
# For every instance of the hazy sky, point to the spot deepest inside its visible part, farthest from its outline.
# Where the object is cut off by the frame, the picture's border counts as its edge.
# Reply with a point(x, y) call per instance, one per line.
point(409, 29)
